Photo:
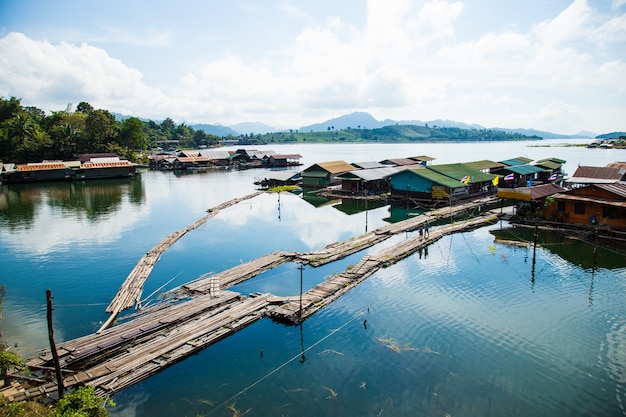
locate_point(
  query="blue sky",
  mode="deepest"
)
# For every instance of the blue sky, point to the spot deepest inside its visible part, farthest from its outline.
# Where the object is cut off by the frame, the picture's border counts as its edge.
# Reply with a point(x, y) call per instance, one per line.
point(557, 65)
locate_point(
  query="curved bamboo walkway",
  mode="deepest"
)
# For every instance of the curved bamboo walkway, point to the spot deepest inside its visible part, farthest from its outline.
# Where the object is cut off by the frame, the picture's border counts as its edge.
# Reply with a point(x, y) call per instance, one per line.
point(130, 292)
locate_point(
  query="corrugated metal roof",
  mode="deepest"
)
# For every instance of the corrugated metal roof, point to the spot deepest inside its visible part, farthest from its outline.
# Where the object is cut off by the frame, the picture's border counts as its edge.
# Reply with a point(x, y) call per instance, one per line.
point(41, 166)
point(590, 200)
point(484, 164)
point(335, 167)
point(548, 164)
point(617, 189)
point(523, 169)
point(213, 155)
point(369, 165)
point(286, 156)
point(620, 165)
point(373, 174)
point(424, 158)
point(399, 161)
point(516, 161)
point(93, 165)
point(438, 178)
point(459, 171)
point(557, 160)
point(606, 173)
point(583, 180)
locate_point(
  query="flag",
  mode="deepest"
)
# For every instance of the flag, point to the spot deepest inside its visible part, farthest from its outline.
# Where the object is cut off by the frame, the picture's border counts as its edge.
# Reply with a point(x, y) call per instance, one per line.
point(553, 177)
point(530, 182)
point(509, 177)
point(466, 179)
point(495, 180)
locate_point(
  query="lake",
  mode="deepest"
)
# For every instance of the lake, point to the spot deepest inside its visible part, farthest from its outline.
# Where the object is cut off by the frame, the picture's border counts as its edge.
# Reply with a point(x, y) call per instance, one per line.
point(466, 327)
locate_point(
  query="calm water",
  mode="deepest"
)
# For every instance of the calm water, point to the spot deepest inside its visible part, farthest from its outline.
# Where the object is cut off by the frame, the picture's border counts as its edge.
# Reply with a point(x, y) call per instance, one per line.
point(468, 327)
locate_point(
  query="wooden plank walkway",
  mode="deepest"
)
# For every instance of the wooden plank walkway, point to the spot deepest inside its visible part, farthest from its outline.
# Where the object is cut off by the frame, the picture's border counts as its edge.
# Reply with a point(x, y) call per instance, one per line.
point(203, 312)
point(131, 289)
point(292, 311)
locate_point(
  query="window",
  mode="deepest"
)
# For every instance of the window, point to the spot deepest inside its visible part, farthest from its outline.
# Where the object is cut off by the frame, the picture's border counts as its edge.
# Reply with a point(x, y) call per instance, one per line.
point(609, 212)
point(560, 206)
point(579, 208)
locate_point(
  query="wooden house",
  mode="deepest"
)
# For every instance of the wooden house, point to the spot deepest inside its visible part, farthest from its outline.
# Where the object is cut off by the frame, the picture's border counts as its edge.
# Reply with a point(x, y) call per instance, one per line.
point(279, 178)
point(324, 174)
point(552, 169)
point(423, 160)
point(585, 175)
point(424, 184)
point(517, 175)
point(597, 204)
point(366, 181)
point(282, 160)
point(477, 181)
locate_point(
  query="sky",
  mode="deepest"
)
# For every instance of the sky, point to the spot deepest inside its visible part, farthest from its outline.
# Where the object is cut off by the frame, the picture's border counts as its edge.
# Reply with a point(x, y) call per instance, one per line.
point(557, 66)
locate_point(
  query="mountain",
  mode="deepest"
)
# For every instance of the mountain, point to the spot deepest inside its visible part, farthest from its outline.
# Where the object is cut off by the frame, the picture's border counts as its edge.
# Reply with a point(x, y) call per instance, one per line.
point(612, 135)
point(252, 127)
point(216, 130)
point(356, 120)
point(547, 135)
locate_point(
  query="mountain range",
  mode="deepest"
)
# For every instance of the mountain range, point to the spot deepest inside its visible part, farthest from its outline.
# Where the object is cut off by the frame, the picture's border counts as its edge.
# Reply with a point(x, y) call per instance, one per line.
point(364, 120)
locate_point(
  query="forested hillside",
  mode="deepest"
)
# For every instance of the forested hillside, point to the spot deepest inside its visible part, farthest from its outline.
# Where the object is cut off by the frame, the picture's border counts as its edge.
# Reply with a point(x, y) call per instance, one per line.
point(27, 134)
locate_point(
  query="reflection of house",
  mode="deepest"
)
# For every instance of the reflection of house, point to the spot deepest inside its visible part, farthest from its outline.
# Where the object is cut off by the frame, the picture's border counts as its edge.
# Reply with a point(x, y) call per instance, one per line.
point(602, 204)
point(597, 175)
point(366, 181)
point(424, 184)
point(324, 174)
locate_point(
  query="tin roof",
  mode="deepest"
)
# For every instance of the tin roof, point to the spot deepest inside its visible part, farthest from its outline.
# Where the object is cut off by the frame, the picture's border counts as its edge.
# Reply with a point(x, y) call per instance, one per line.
point(399, 161)
point(41, 166)
point(334, 167)
point(437, 178)
point(621, 165)
point(369, 165)
point(460, 171)
point(524, 169)
point(551, 165)
point(520, 160)
point(606, 173)
point(484, 164)
point(530, 193)
point(423, 158)
point(371, 174)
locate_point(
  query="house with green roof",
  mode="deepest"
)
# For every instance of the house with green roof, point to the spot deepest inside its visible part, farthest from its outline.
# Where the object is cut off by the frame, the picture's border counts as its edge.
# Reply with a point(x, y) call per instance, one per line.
point(477, 181)
point(424, 184)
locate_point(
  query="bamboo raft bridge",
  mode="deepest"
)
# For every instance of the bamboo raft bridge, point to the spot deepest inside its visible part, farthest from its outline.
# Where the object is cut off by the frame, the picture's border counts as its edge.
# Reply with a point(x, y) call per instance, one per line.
point(204, 311)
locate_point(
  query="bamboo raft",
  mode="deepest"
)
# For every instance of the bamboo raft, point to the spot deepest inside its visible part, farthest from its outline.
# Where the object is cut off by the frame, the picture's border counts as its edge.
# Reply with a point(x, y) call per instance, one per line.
point(131, 289)
point(203, 312)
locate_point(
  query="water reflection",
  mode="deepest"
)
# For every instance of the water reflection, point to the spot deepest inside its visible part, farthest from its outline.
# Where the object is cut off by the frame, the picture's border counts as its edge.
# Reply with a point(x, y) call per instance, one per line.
point(588, 254)
point(19, 203)
point(55, 216)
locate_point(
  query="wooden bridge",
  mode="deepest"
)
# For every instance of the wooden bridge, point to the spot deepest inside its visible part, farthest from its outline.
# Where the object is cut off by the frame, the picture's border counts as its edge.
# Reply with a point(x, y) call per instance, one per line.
point(204, 311)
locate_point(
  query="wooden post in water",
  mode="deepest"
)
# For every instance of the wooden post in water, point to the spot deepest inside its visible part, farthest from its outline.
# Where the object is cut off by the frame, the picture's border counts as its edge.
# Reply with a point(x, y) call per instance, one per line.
point(53, 348)
point(301, 268)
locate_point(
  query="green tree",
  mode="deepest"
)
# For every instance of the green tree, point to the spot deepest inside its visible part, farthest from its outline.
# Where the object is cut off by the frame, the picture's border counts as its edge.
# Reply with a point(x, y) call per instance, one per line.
point(84, 402)
point(100, 128)
point(132, 135)
point(8, 361)
point(84, 107)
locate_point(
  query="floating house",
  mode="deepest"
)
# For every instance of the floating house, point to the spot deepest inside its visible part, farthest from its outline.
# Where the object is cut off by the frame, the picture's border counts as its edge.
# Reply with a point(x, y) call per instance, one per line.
point(279, 178)
point(485, 165)
point(595, 205)
point(282, 160)
point(423, 184)
point(366, 181)
point(88, 166)
point(324, 174)
point(552, 169)
point(585, 175)
point(478, 182)
point(517, 172)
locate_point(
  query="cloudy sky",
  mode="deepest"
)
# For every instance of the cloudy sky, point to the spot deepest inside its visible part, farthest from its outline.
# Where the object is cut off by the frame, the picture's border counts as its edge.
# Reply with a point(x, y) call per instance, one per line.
point(557, 65)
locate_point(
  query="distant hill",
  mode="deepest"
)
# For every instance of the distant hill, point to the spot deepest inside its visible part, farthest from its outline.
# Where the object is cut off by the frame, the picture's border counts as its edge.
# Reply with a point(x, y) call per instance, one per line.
point(252, 127)
point(356, 120)
point(394, 134)
point(216, 130)
point(612, 135)
point(550, 135)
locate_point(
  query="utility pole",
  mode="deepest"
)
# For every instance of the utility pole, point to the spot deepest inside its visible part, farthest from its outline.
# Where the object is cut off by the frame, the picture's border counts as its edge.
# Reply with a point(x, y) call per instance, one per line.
point(53, 348)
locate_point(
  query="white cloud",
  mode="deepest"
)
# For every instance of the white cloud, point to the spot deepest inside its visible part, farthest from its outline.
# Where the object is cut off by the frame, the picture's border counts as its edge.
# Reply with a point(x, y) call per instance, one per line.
point(403, 61)
point(49, 75)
